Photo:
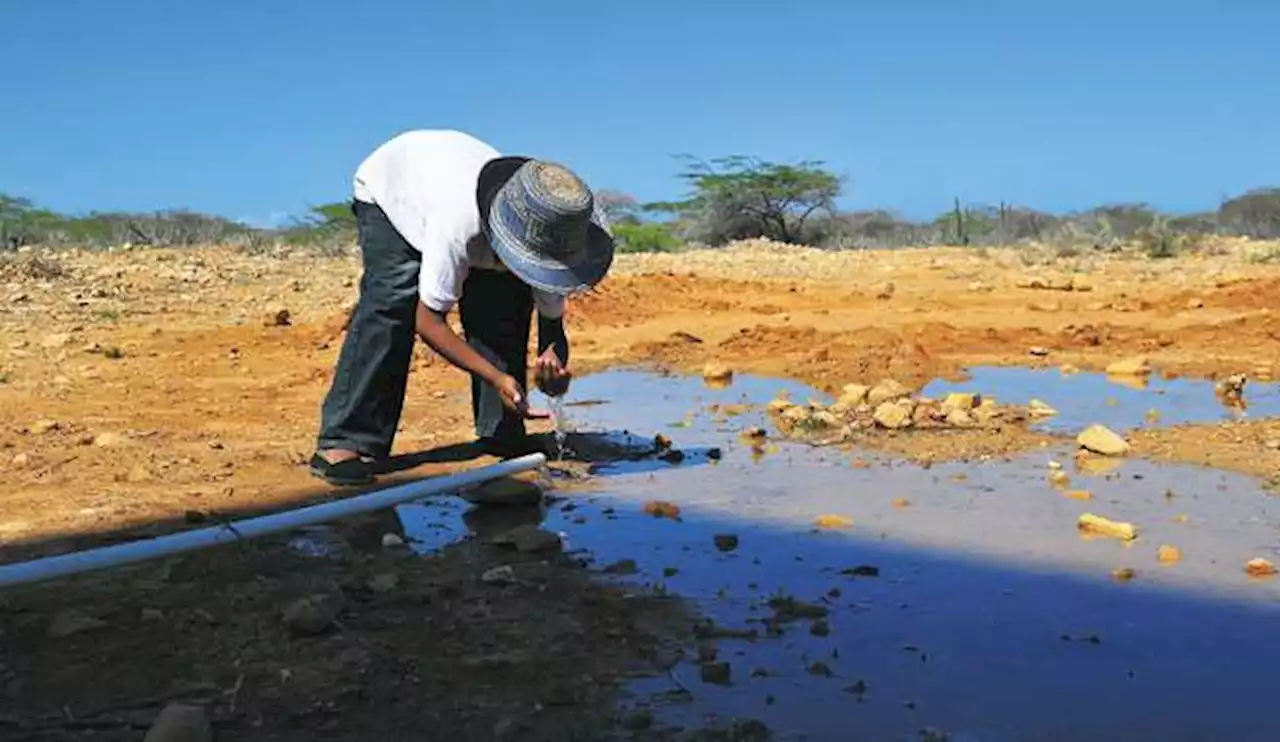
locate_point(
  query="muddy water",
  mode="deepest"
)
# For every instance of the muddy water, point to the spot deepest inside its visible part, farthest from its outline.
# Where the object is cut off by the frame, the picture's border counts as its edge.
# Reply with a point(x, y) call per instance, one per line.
point(1120, 403)
point(961, 598)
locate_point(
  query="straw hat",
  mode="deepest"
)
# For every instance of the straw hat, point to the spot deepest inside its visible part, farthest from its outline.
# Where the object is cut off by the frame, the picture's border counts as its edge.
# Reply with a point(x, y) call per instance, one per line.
point(542, 222)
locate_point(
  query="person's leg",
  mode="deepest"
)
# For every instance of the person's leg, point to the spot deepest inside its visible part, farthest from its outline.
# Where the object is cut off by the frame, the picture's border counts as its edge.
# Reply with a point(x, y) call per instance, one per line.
point(362, 409)
point(496, 309)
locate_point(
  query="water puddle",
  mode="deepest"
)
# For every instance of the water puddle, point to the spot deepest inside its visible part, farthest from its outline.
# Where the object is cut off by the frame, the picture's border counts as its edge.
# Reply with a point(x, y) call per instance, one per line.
point(1118, 402)
point(959, 599)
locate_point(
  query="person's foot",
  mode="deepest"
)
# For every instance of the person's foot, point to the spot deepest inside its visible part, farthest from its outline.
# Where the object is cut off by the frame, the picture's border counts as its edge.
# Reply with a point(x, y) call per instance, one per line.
point(342, 468)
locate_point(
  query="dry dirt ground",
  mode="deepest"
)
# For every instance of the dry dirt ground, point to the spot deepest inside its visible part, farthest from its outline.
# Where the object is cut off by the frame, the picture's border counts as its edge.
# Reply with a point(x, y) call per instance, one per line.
point(146, 390)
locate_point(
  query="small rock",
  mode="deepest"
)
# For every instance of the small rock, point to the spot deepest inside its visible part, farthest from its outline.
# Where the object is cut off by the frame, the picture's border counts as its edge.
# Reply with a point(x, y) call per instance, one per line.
point(886, 290)
point(832, 521)
point(503, 575)
point(40, 427)
point(20, 461)
point(504, 491)
point(1168, 554)
point(862, 570)
point(71, 621)
point(821, 670)
point(717, 372)
point(529, 539)
point(312, 615)
point(152, 614)
point(885, 391)
point(1259, 567)
point(823, 419)
point(1059, 478)
point(716, 673)
point(1038, 350)
point(1078, 495)
point(901, 502)
point(1135, 366)
point(56, 340)
point(725, 541)
point(958, 418)
point(662, 509)
point(1123, 574)
point(1196, 303)
point(1232, 387)
point(383, 583)
point(279, 318)
point(1102, 440)
point(1040, 408)
point(622, 567)
point(892, 415)
point(853, 395)
point(391, 541)
point(1104, 527)
point(181, 722)
point(108, 440)
point(961, 401)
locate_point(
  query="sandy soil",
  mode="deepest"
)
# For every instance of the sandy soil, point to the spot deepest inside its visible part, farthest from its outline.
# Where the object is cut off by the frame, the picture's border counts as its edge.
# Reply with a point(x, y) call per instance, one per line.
point(146, 390)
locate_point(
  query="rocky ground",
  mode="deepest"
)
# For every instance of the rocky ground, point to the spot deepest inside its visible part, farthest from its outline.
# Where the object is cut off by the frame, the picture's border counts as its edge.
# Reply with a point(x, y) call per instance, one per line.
point(144, 391)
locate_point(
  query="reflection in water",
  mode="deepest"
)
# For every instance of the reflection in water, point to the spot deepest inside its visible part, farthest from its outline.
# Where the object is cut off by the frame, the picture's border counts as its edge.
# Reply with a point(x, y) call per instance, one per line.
point(978, 609)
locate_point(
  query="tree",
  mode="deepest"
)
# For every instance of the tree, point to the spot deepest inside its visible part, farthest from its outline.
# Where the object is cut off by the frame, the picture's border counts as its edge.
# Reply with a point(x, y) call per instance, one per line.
point(1254, 214)
point(619, 207)
point(737, 197)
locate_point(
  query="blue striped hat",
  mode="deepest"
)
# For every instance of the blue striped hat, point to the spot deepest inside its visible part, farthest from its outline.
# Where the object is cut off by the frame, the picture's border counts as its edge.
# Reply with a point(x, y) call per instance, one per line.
point(543, 223)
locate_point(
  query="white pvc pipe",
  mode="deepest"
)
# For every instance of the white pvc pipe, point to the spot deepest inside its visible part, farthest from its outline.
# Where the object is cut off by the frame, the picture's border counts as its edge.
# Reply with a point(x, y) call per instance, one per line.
point(90, 560)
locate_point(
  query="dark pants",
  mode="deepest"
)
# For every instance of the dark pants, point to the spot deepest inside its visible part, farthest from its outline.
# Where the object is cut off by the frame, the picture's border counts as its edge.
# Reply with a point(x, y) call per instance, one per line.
point(362, 409)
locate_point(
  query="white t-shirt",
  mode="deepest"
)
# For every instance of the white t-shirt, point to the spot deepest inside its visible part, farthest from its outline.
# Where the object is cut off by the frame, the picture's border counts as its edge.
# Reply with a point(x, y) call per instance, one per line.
point(425, 182)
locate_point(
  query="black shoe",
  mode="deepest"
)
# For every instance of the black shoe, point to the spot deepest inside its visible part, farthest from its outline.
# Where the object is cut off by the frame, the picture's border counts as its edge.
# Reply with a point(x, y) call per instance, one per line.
point(349, 473)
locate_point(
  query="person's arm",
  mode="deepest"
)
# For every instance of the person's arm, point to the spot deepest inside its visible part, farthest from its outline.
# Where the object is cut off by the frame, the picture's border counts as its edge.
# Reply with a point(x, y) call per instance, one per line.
point(436, 332)
point(551, 334)
point(552, 365)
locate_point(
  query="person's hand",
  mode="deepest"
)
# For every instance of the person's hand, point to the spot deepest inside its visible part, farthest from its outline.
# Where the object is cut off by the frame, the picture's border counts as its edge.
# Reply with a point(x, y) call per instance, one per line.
point(514, 398)
point(551, 374)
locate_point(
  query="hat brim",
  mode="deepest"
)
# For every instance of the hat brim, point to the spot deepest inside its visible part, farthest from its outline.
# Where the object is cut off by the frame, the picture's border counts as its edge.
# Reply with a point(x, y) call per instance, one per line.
point(552, 276)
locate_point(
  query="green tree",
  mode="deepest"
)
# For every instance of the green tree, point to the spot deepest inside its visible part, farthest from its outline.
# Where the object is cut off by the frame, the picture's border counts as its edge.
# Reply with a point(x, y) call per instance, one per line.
point(24, 223)
point(737, 197)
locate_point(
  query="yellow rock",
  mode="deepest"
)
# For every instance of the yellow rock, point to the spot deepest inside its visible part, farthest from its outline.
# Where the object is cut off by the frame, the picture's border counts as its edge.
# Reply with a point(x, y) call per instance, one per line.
point(961, 401)
point(1259, 568)
point(717, 372)
point(1168, 554)
point(886, 391)
point(892, 415)
point(1135, 366)
point(1040, 408)
point(854, 394)
point(832, 521)
point(1102, 527)
point(1102, 440)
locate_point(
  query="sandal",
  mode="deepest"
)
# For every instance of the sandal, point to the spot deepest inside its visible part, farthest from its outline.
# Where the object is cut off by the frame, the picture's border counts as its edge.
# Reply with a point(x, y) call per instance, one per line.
point(349, 473)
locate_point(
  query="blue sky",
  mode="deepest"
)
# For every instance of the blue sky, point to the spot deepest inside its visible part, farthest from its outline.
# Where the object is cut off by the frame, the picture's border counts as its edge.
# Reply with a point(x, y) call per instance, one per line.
point(255, 109)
